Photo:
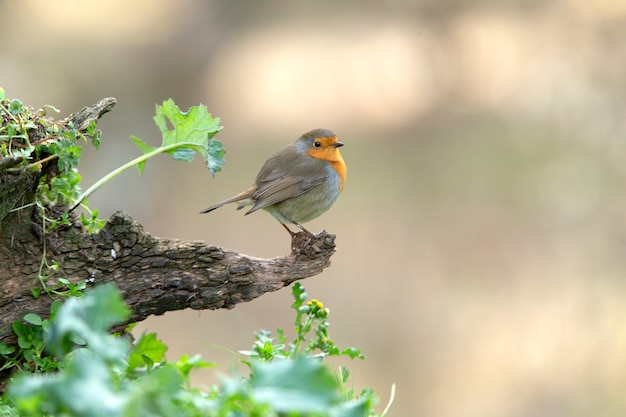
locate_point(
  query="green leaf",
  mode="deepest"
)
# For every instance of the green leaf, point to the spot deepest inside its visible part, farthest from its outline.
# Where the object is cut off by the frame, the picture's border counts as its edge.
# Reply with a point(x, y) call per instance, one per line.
point(25, 334)
point(89, 318)
point(215, 158)
point(68, 151)
point(184, 154)
point(33, 319)
point(299, 295)
point(2, 94)
point(187, 364)
point(187, 127)
point(16, 107)
point(6, 349)
point(147, 347)
point(352, 353)
point(157, 394)
point(303, 384)
point(143, 147)
point(54, 308)
point(193, 130)
point(83, 389)
point(354, 408)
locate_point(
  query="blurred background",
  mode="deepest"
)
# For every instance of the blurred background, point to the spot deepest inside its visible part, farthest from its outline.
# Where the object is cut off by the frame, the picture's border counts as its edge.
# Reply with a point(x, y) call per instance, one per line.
point(481, 235)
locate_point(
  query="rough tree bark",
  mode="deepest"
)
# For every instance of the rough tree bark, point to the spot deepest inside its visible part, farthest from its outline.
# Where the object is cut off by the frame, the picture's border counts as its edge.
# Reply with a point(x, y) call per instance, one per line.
point(154, 275)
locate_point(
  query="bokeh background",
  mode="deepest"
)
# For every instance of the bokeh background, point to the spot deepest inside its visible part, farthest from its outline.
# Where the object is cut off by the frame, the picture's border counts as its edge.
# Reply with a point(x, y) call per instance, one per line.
point(481, 236)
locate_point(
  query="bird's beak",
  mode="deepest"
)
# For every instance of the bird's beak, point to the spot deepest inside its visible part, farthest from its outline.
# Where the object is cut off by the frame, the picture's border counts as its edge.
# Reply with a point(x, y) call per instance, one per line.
point(338, 144)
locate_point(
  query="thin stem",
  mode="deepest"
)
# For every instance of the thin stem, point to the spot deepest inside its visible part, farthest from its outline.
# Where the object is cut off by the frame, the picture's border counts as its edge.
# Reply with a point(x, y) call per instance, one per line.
point(44, 249)
point(298, 341)
point(40, 162)
point(22, 207)
point(392, 396)
point(8, 113)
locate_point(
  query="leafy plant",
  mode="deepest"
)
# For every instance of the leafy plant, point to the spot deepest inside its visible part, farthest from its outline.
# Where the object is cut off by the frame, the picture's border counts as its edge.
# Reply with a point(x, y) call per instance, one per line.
point(101, 374)
point(32, 140)
point(30, 356)
point(292, 377)
point(311, 317)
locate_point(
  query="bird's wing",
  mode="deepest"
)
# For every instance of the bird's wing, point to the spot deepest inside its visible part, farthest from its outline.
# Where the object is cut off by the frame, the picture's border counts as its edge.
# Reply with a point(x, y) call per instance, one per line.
point(276, 187)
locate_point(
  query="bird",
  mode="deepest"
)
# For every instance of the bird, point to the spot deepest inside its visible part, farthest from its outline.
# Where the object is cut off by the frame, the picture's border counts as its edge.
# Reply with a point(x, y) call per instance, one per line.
point(298, 183)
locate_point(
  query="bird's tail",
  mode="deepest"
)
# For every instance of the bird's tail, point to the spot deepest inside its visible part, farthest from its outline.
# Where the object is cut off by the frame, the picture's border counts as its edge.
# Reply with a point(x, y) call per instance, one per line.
point(241, 197)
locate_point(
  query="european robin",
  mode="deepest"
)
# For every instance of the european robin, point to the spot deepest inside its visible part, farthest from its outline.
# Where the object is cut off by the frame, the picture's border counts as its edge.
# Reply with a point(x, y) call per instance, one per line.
point(299, 182)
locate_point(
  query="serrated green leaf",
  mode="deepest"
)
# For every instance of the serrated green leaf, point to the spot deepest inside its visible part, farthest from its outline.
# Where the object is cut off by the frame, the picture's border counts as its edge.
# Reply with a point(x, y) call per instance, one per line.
point(352, 353)
point(303, 384)
point(215, 158)
point(193, 126)
point(68, 151)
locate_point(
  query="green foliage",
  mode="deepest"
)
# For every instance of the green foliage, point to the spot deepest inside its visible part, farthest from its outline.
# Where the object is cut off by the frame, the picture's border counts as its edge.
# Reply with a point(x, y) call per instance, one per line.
point(101, 374)
point(30, 356)
point(85, 321)
point(301, 384)
point(284, 364)
point(311, 317)
point(148, 351)
point(192, 131)
point(39, 141)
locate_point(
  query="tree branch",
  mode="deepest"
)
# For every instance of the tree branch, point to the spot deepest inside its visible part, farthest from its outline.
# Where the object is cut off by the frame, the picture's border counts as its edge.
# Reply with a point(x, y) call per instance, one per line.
point(86, 115)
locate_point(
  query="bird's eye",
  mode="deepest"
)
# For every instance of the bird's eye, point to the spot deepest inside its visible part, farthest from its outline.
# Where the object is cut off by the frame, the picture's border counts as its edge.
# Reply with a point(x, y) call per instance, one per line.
point(317, 144)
